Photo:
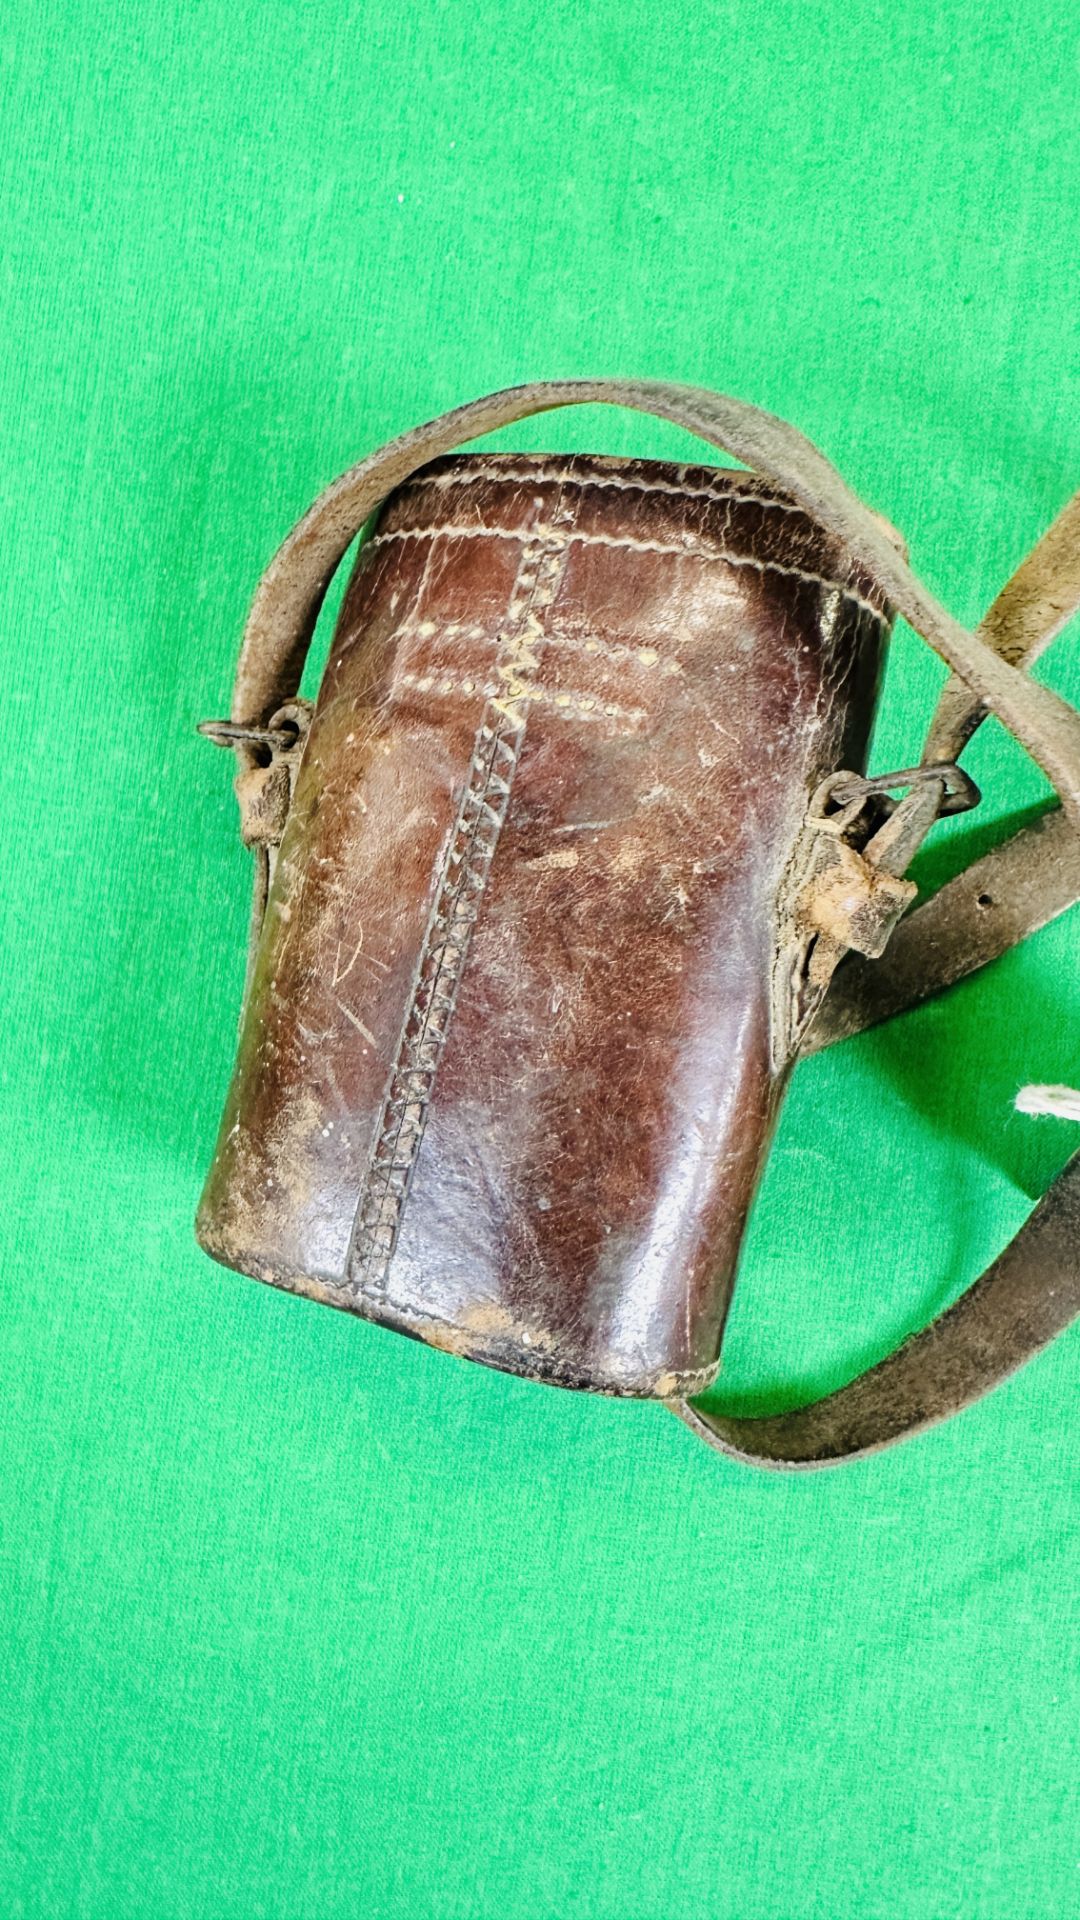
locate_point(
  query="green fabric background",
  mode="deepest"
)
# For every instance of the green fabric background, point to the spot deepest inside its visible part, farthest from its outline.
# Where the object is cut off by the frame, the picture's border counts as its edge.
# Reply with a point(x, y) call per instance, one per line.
point(299, 1619)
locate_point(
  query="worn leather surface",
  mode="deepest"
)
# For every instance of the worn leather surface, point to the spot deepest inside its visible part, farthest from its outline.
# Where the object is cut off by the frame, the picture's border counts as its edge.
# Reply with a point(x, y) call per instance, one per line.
point(978, 1342)
point(509, 1063)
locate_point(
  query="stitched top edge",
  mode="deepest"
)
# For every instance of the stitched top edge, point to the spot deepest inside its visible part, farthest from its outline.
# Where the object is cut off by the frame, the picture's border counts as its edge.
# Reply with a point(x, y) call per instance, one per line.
point(603, 482)
point(687, 550)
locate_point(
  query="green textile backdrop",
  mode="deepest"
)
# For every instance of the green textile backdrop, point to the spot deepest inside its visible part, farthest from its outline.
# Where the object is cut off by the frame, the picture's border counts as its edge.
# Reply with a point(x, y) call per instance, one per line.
point(299, 1619)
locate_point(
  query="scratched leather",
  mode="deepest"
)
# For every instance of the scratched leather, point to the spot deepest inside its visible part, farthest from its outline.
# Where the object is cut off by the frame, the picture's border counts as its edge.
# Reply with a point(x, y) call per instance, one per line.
point(506, 1075)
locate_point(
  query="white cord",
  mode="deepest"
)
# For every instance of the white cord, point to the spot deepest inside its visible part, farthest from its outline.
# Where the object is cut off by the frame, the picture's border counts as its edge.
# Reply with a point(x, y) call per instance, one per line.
point(1062, 1103)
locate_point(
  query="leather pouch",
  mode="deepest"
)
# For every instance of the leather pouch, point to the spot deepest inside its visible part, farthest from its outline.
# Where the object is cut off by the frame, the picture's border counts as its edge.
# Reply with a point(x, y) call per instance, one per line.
point(562, 864)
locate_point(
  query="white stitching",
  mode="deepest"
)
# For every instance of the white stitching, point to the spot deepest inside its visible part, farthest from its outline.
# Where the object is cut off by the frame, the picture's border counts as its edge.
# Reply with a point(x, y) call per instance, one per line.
point(460, 883)
point(452, 629)
point(429, 1011)
point(605, 482)
point(612, 650)
point(572, 705)
point(619, 655)
point(687, 551)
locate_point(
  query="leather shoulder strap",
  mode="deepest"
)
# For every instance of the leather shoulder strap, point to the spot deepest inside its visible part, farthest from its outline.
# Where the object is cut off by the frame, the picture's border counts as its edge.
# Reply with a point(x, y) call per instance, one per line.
point(1031, 1293)
point(993, 904)
point(1029, 612)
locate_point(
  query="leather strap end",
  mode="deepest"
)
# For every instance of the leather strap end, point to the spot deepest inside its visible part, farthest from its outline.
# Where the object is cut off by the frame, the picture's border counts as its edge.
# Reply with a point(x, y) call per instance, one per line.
point(991, 906)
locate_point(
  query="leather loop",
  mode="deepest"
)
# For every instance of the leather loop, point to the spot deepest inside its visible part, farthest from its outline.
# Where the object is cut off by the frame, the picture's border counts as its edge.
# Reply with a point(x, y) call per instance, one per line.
point(1023, 882)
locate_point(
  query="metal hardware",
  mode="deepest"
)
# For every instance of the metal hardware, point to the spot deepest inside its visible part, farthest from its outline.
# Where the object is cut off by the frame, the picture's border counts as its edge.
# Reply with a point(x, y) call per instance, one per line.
point(226, 733)
point(961, 793)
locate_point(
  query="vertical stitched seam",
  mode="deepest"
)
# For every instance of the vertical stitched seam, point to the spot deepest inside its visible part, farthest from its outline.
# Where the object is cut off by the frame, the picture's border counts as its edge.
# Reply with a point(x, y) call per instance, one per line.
point(462, 879)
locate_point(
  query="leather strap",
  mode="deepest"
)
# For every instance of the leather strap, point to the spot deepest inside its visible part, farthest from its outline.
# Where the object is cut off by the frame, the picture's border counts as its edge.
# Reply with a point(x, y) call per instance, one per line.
point(1030, 1293)
point(1032, 1290)
point(1029, 612)
point(1026, 881)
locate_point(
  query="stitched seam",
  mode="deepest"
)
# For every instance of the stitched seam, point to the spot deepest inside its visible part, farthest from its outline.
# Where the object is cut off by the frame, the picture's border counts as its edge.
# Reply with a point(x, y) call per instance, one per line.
point(444, 949)
point(688, 550)
point(446, 630)
point(572, 705)
point(613, 650)
point(607, 483)
point(648, 657)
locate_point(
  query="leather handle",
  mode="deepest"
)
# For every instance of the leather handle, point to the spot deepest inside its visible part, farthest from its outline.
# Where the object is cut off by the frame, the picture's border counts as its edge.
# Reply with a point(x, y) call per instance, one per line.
point(291, 591)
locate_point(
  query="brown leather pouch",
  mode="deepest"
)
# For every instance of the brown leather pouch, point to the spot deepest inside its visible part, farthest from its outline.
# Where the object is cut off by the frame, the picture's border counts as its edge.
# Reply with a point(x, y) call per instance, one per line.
point(562, 865)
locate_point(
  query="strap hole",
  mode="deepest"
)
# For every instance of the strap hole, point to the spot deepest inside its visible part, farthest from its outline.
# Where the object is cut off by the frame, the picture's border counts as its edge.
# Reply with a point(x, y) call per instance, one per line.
point(985, 900)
